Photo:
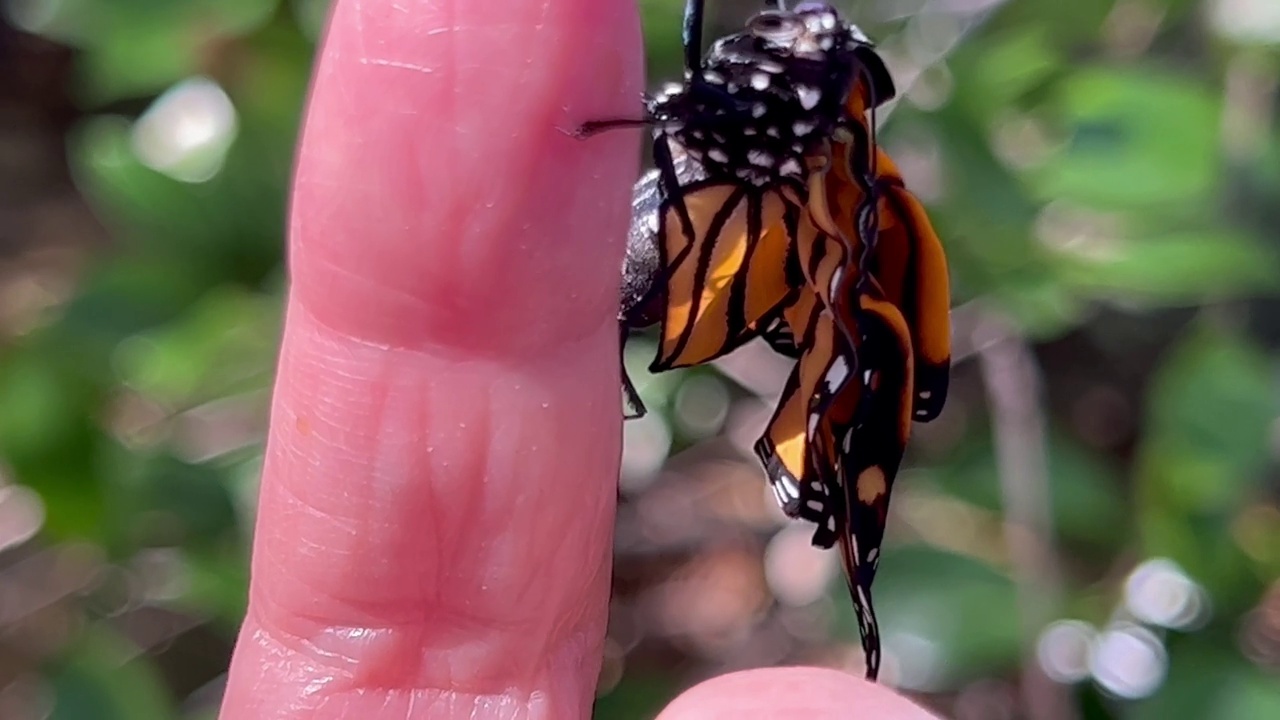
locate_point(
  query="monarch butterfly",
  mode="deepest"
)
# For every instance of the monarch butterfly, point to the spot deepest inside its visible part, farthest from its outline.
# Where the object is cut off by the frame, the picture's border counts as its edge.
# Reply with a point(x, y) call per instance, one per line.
point(732, 148)
point(771, 213)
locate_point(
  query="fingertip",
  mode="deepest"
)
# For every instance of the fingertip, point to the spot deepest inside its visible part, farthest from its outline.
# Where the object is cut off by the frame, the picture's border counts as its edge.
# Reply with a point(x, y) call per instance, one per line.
point(437, 200)
point(792, 692)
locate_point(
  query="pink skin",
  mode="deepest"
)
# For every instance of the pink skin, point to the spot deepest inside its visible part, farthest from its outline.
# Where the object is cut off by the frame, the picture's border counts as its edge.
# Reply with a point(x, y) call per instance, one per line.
point(437, 505)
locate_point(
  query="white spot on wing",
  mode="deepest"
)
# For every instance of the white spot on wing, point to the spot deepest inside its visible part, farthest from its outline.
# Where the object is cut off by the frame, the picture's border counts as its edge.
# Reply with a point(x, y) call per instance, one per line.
point(789, 487)
point(760, 81)
point(836, 374)
point(802, 128)
point(809, 96)
point(790, 167)
point(718, 155)
point(760, 157)
point(777, 493)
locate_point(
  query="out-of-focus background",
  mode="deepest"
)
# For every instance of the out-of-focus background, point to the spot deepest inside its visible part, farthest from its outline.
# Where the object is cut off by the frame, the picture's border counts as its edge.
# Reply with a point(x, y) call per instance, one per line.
point(1091, 530)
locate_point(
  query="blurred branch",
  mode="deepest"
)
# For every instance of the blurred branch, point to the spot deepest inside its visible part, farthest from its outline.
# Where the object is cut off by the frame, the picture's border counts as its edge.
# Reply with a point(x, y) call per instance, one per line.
point(1013, 385)
point(1248, 107)
point(966, 321)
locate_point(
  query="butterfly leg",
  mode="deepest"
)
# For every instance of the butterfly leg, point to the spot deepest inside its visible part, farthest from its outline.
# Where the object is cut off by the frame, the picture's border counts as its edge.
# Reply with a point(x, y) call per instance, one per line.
point(592, 128)
point(634, 408)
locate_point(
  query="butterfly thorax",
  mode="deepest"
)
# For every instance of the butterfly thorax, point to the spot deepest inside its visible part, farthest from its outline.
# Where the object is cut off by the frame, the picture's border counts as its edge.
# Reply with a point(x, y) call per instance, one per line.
point(767, 98)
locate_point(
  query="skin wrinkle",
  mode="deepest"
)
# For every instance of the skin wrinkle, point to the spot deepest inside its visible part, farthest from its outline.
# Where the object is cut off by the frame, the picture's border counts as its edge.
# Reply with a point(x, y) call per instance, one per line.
point(466, 550)
point(363, 673)
point(398, 65)
point(280, 641)
point(461, 355)
point(516, 465)
point(308, 626)
point(552, 612)
point(374, 288)
point(567, 544)
point(466, 511)
point(358, 15)
point(342, 682)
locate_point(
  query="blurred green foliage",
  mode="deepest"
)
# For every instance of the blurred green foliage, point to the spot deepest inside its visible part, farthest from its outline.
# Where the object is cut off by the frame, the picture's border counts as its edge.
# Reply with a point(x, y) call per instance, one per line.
point(1105, 175)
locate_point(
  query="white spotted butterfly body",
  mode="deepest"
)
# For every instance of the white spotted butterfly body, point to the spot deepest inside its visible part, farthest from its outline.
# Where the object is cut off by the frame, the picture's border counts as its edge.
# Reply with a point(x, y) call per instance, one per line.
point(765, 99)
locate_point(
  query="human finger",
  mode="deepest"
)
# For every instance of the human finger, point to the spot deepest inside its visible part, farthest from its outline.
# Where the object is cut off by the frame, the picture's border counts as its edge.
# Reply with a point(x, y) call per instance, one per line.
point(435, 516)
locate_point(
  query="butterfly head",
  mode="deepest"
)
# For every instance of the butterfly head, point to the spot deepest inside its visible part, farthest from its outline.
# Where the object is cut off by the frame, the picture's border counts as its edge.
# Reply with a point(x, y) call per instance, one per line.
point(768, 97)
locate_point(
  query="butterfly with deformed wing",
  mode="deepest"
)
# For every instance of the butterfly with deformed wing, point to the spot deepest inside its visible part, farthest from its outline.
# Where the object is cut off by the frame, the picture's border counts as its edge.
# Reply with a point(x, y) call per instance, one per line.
point(771, 213)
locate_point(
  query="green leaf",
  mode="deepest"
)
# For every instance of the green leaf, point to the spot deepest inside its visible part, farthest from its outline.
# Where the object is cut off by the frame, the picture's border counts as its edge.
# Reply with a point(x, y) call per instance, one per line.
point(1136, 138)
point(1040, 306)
point(1211, 406)
point(159, 500)
point(661, 22)
point(136, 60)
point(1206, 679)
point(224, 345)
point(101, 676)
point(1250, 695)
point(1204, 456)
point(125, 296)
point(49, 440)
point(1083, 487)
point(1176, 269)
point(227, 228)
point(218, 585)
point(157, 214)
point(140, 47)
point(1073, 22)
point(997, 72)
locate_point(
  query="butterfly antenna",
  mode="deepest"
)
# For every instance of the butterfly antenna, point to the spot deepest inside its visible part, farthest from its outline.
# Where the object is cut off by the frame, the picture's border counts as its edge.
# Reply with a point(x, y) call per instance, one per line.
point(692, 36)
